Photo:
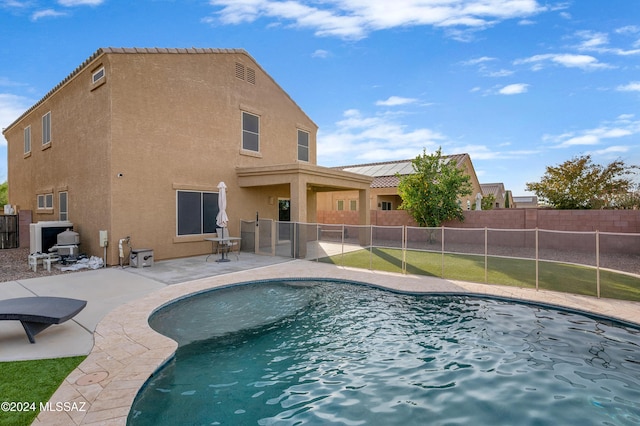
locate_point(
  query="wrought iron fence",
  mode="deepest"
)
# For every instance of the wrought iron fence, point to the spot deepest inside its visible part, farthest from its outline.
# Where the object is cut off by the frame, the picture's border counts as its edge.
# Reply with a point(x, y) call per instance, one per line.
point(594, 263)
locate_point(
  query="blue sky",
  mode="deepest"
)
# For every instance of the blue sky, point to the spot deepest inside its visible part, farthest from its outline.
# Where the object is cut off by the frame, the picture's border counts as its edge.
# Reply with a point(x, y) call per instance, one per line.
point(517, 84)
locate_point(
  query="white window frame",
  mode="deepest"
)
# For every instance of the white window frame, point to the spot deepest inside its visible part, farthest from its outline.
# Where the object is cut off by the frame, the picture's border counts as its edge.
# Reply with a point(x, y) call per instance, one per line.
point(249, 132)
point(46, 129)
point(27, 139)
point(45, 201)
point(303, 149)
point(340, 205)
point(353, 205)
point(384, 204)
point(63, 206)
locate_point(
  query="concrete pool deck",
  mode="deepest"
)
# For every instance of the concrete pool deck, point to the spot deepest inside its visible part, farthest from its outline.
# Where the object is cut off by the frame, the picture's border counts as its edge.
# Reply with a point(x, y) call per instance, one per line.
point(126, 351)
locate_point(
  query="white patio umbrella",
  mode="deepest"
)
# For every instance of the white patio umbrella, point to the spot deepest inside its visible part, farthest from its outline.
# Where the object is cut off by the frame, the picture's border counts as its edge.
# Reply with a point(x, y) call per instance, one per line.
point(222, 219)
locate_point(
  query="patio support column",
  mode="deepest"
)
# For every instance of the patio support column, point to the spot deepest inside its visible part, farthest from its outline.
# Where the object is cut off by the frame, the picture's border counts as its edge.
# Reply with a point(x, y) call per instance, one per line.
point(364, 236)
point(365, 208)
point(298, 190)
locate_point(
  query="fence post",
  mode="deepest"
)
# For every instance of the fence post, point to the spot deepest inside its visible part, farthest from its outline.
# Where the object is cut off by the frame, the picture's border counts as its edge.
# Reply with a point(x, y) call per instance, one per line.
point(598, 262)
point(486, 262)
point(537, 270)
point(370, 247)
point(442, 252)
point(342, 246)
point(404, 249)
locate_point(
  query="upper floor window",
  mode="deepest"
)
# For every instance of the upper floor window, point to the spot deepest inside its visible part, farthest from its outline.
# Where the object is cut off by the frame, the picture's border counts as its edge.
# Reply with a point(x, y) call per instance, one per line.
point(46, 128)
point(303, 145)
point(250, 132)
point(27, 139)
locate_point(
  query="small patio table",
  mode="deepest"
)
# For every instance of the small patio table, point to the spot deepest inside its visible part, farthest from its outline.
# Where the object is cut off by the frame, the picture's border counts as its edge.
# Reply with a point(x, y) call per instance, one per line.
point(219, 241)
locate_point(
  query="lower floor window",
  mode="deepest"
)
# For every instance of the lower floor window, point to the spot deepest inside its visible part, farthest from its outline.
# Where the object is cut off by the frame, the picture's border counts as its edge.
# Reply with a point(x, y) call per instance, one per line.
point(63, 205)
point(45, 201)
point(196, 212)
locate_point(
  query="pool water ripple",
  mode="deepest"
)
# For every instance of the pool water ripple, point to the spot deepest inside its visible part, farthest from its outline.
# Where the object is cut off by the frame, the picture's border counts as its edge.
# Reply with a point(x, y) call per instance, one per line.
point(291, 353)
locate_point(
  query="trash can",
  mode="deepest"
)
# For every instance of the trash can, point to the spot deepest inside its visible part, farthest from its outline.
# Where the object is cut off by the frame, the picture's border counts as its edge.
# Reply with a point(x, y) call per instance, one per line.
point(139, 258)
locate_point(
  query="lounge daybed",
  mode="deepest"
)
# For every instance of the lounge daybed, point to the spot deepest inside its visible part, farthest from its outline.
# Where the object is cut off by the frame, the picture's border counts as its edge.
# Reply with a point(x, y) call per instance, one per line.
point(38, 313)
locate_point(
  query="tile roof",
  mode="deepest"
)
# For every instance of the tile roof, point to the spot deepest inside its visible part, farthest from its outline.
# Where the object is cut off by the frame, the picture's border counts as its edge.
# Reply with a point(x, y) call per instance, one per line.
point(496, 189)
point(384, 173)
point(105, 50)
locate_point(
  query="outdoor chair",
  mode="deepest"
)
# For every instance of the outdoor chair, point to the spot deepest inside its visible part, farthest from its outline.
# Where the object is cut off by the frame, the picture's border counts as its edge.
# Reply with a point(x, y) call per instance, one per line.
point(39, 313)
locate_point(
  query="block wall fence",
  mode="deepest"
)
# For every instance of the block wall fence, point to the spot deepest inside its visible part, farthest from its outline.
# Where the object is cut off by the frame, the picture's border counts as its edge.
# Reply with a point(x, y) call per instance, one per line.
point(616, 221)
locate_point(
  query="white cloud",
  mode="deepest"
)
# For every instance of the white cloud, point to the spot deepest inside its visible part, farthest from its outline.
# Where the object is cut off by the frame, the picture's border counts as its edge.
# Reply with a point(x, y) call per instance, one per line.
point(616, 149)
point(356, 18)
point(320, 53)
point(480, 60)
point(47, 13)
point(622, 127)
point(11, 107)
point(514, 89)
point(71, 3)
point(634, 86)
point(599, 42)
point(358, 139)
point(568, 60)
point(396, 100)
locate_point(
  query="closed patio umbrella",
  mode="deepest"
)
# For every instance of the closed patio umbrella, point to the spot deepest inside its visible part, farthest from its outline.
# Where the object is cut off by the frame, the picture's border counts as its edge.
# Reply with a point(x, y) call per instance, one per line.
point(222, 219)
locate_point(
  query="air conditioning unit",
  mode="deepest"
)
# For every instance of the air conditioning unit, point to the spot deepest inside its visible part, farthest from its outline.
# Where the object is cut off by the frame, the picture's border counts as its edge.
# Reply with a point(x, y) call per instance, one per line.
point(44, 235)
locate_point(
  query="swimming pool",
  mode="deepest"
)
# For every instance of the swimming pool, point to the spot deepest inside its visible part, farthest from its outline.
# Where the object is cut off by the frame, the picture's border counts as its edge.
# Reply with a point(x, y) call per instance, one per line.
point(290, 352)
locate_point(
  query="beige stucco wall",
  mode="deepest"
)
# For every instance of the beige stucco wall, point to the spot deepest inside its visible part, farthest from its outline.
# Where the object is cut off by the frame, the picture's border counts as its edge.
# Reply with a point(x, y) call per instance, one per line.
point(158, 123)
point(76, 160)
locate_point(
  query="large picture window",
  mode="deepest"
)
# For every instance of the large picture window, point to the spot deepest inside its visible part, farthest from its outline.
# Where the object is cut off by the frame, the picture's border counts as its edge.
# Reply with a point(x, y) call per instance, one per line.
point(250, 132)
point(303, 145)
point(197, 212)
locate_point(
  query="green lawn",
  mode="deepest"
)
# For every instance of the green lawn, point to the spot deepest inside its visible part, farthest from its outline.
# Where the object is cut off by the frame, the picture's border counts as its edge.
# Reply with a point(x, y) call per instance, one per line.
point(31, 382)
point(555, 276)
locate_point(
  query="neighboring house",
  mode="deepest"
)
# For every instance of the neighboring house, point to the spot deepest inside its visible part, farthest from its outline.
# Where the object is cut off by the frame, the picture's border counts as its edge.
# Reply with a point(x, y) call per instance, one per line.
point(503, 198)
point(384, 187)
point(526, 202)
point(135, 142)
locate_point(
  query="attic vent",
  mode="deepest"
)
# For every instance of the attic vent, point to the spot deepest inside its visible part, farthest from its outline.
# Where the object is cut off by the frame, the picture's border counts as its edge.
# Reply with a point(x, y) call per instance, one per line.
point(251, 75)
point(240, 71)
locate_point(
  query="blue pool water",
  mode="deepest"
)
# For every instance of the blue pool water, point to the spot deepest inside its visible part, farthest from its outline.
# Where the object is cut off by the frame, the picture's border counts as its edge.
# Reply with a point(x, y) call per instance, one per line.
point(289, 353)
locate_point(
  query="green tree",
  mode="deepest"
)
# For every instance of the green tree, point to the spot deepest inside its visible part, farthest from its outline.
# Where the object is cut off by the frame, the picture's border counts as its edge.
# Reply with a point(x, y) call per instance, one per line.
point(4, 188)
point(430, 194)
point(580, 184)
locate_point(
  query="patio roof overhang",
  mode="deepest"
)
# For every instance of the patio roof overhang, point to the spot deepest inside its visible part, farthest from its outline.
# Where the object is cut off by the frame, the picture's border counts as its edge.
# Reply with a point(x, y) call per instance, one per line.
point(304, 181)
point(317, 178)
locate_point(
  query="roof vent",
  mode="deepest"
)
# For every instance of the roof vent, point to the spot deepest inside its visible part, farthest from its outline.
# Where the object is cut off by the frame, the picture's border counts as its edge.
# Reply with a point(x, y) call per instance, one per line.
point(251, 75)
point(239, 71)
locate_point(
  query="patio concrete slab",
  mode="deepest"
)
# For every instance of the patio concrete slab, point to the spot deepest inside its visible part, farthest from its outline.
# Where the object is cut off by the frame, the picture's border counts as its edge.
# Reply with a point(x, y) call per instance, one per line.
point(103, 289)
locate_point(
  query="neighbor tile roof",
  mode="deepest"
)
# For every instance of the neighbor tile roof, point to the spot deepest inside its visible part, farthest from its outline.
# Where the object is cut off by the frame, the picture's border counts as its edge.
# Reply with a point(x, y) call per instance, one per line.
point(384, 173)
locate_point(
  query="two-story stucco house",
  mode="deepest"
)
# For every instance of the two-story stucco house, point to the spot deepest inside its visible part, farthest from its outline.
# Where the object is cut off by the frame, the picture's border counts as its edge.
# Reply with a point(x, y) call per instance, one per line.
point(135, 142)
